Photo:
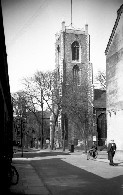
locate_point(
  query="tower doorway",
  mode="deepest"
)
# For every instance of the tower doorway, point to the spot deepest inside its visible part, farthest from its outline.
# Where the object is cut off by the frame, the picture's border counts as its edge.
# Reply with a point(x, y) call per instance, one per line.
point(101, 129)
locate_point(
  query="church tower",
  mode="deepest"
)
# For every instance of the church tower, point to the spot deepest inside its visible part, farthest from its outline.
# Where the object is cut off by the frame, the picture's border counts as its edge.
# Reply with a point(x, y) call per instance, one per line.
point(74, 82)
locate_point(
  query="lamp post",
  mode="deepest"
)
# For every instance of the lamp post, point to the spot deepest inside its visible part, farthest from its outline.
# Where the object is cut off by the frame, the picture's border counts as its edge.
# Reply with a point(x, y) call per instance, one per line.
point(64, 132)
point(21, 136)
point(42, 119)
point(64, 85)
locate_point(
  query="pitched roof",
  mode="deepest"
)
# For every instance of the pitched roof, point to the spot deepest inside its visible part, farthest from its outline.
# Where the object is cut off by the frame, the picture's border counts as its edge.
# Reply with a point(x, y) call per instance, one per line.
point(119, 12)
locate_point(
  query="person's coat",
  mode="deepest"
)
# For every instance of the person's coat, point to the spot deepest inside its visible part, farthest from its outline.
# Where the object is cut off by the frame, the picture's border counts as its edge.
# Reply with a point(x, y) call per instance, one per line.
point(111, 150)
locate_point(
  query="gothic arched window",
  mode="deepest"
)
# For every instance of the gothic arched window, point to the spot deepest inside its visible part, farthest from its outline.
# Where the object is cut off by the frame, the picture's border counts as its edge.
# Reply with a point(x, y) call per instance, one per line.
point(75, 50)
point(76, 74)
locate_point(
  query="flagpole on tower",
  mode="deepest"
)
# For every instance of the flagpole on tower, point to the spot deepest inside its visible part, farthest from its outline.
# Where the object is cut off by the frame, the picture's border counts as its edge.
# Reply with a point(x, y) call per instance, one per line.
point(71, 12)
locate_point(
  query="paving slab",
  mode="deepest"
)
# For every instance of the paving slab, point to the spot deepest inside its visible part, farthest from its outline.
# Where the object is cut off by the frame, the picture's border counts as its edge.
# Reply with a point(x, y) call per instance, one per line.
point(29, 181)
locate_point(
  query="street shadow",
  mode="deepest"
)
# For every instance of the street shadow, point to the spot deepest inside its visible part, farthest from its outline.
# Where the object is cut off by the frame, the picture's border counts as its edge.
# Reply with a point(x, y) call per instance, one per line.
point(63, 178)
point(39, 154)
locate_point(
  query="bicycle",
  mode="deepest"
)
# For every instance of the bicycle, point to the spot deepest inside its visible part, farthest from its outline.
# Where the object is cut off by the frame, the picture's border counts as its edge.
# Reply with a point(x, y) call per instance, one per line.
point(92, 153)
point(11, 172)
point(13, 175)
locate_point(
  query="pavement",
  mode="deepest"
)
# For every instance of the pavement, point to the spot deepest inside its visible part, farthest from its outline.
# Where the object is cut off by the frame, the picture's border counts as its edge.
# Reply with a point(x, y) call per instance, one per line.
point(29, 181)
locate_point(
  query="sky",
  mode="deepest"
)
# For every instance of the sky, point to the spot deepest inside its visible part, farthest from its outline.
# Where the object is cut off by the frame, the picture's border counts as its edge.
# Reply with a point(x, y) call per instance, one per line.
point(30, 27)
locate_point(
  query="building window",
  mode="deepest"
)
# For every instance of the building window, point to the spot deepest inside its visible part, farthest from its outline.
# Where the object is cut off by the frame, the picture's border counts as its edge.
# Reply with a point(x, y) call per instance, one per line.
point(75, 51)
point(76, 75)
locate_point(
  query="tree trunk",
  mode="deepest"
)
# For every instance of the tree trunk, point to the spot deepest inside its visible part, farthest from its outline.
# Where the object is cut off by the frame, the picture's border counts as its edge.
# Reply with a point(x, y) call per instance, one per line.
point(64, 144)
point(37, 143)
point(85, 145)
point(52, 137)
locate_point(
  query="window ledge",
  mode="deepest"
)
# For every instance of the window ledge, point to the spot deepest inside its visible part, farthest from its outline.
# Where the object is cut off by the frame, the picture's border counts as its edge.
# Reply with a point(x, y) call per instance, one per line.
point(76, 61)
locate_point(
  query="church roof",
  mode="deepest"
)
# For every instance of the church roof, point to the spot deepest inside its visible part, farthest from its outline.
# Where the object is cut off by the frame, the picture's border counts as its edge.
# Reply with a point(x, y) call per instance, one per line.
point(119, 12)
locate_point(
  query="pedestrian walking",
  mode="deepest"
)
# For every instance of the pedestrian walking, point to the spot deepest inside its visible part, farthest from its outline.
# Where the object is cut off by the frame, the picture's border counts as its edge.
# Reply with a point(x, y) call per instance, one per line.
point(111, 152)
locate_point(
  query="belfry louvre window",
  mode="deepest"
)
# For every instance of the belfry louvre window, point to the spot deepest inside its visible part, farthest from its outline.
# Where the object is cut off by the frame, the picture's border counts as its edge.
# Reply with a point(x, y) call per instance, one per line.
point(75, 50)
point(76, 75)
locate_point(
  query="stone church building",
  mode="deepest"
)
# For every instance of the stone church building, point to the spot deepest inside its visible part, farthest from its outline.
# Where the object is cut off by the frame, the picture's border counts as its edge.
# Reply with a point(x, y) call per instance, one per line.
point(75, 86)
point(114, 80)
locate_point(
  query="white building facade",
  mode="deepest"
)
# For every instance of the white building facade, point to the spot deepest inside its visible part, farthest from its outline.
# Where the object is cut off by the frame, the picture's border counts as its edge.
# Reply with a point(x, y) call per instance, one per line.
point(114, 81)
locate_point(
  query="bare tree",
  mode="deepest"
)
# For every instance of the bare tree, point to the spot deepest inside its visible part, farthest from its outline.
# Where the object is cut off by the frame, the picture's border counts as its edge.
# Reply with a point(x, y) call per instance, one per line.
point(41, 91)
point(20, 116)
point(101, 78)
point(24, 108)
